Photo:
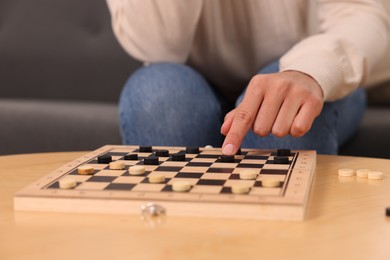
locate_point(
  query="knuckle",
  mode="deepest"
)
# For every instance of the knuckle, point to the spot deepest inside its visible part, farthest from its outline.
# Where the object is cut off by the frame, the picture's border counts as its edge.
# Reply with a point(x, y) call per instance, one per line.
point(285, 83)
point(315, 99)
point(256, 86)
point(283, 87)
point(299, 130)
point(243, 117)
point(260, 131)
point(279, 132)
point(300, 92)
point(228, 115)
point(283, 80)
point(257, 79)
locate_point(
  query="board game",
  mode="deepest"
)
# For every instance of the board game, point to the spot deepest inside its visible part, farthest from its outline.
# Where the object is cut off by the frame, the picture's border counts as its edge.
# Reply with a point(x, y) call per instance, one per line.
point(211, 181)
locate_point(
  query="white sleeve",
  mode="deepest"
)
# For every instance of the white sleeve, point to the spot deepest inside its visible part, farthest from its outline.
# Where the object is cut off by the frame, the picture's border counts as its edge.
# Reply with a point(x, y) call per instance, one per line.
point(155, 30)
point(353, 36)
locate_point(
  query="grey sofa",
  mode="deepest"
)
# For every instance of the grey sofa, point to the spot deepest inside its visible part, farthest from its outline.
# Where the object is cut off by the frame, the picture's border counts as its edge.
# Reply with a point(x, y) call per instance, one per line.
point(61, 72)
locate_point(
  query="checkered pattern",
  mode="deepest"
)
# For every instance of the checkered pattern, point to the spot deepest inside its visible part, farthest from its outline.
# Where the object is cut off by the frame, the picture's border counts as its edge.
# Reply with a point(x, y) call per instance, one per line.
point(204, 171)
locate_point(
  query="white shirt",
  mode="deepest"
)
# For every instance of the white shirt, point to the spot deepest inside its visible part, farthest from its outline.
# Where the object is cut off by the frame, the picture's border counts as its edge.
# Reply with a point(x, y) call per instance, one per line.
point(228, 41)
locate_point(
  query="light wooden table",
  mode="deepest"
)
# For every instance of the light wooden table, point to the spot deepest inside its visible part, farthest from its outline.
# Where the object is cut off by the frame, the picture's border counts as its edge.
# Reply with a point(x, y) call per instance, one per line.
point(345, 220)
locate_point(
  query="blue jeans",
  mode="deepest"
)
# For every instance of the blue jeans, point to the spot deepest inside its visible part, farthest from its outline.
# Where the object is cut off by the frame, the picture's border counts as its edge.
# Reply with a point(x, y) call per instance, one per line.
point(173, 105)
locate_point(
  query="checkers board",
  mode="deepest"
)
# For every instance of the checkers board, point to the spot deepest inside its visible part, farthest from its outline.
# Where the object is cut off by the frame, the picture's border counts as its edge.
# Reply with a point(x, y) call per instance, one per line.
point(116, 191)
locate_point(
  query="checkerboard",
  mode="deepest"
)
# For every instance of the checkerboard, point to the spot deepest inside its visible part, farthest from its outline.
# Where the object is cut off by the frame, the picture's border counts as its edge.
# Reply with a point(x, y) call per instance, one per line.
point(116, 191)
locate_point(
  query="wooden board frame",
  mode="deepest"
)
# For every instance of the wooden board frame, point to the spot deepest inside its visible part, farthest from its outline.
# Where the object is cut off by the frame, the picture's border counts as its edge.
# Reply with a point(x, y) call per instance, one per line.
point(289, 205)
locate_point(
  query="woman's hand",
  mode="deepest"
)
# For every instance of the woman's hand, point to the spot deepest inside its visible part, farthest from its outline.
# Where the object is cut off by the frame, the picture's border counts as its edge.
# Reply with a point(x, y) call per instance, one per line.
point(281, 103)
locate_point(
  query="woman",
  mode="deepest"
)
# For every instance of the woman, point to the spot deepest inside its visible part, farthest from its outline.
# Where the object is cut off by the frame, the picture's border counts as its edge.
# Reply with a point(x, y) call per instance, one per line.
point(202, 59)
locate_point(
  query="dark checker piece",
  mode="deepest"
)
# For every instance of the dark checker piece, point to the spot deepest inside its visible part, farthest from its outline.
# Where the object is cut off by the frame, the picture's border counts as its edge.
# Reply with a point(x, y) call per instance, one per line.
point(145, 149)
point(281, 159)
point(104, 159)
point(227, 158)
point(192, 150)
point(162, 153)
point(284, 152)
point(132, 156)
point(179, 157)
point(152, 160)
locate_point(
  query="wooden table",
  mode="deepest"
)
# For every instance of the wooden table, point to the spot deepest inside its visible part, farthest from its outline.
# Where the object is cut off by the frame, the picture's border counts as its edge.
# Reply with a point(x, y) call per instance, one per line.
point(345, 220)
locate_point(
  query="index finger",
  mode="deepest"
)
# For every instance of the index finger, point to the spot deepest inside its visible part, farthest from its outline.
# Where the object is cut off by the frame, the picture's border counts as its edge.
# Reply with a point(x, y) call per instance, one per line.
point(243, 120)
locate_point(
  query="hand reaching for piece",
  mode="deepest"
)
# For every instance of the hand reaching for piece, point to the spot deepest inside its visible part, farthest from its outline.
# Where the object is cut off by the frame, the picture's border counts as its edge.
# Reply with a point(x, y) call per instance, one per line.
point(281, 103)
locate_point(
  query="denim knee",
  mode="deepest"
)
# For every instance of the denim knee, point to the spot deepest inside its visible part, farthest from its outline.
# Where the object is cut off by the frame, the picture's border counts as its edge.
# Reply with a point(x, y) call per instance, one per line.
point(169, 104)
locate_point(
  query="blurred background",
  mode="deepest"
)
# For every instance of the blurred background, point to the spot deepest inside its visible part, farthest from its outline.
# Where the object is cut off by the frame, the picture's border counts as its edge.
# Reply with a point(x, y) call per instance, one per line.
point(62, 70)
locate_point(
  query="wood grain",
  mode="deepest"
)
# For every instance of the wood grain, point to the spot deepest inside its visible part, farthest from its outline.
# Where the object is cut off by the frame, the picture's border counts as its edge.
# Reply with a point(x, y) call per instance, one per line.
point(345, 220)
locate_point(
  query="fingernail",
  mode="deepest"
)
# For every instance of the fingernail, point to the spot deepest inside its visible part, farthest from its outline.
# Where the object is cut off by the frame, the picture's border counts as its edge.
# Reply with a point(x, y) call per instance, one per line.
point(228, 149)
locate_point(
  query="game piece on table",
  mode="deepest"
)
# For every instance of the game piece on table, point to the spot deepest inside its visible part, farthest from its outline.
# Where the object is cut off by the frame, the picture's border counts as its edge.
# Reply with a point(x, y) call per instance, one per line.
point(156, 178)
point(240, 189)
point(85, 169)
point(208, 146)
point(152, 210)
point(362, 173)
point(210, 184)
point(248, 174)
point(270, 183)
point(192, 150)
point(281, 160)
point(117, 165)
point(162, 153)
point(137, 170)
point(346, 173)
point(131, 157)
point(178, 157)
point(181, 186)
point(104, 158)
point(227, 158)
point(145, 149)
point(67, 183)
point(283, 152)
point(374, 175)
point(152, 160)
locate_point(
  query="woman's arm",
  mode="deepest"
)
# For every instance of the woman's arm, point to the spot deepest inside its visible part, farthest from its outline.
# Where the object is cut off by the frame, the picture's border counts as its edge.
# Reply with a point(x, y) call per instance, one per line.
point(352, 38)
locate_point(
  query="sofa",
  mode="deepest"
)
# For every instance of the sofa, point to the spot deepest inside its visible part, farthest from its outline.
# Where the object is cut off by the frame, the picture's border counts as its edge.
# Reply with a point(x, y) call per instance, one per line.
point(62, 70)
